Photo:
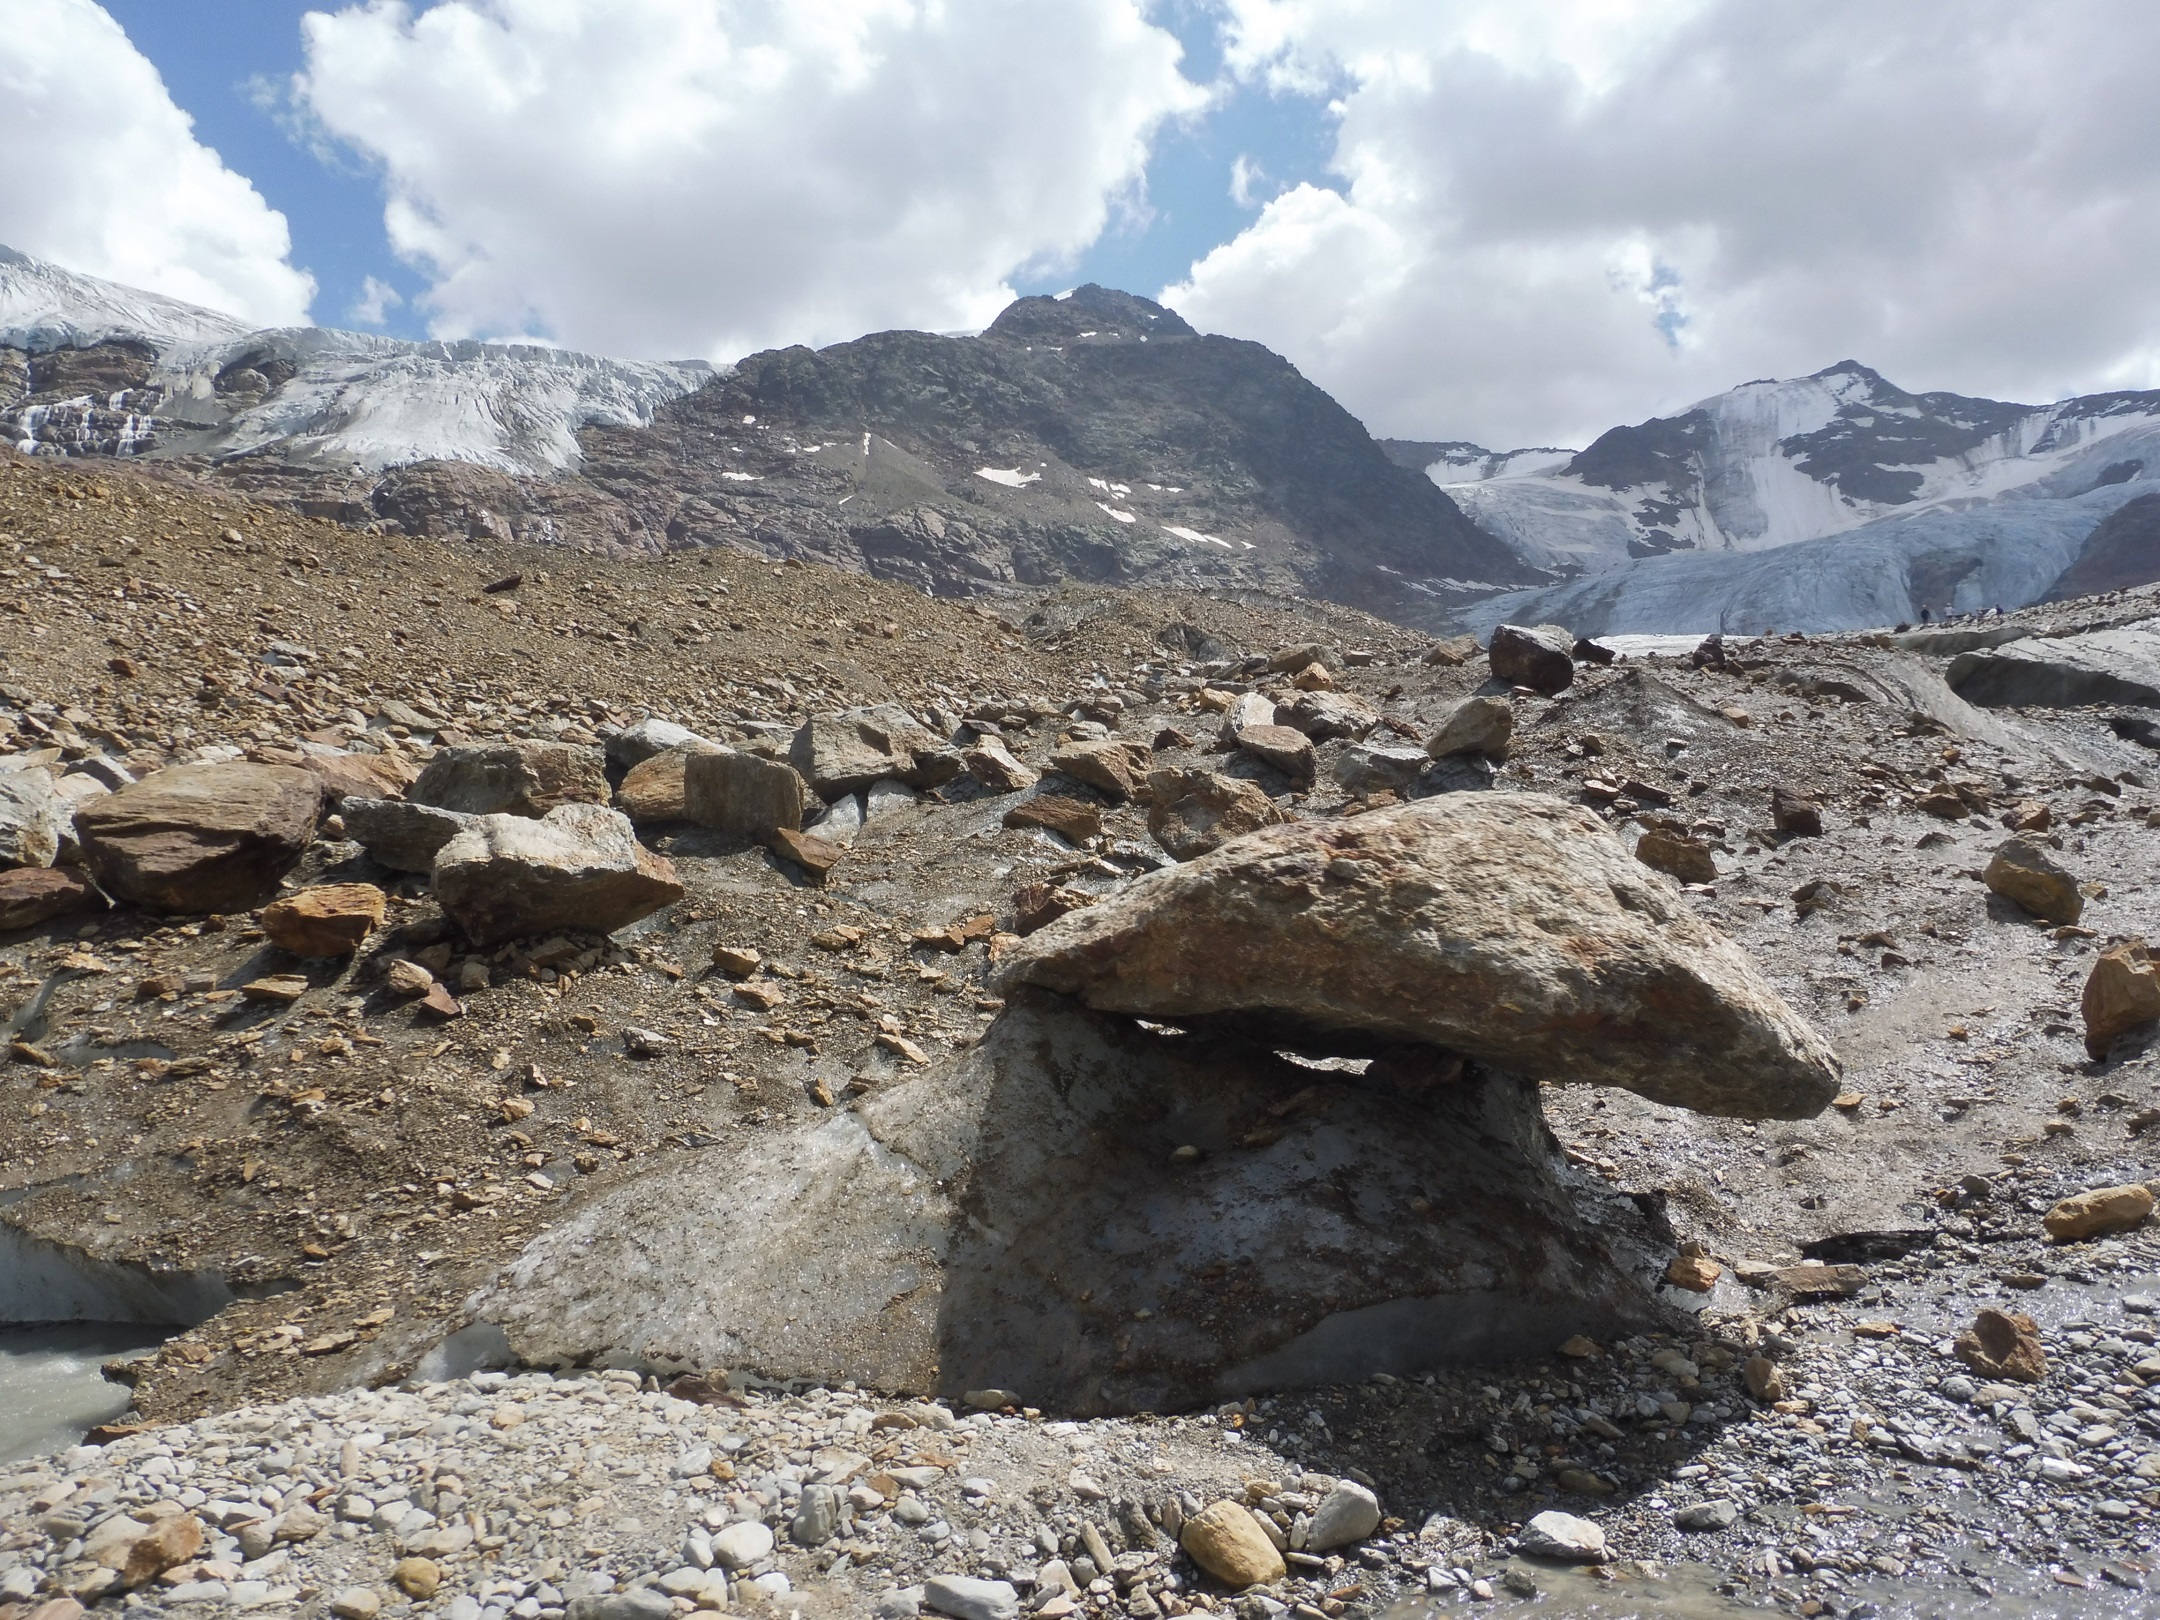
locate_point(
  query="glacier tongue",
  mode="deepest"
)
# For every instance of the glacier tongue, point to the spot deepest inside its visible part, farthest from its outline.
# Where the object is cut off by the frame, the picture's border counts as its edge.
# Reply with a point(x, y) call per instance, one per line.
point(316, 397)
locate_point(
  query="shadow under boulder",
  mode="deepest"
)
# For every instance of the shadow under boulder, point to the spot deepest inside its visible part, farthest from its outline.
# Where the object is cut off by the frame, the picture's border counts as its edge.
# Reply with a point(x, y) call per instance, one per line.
point(1101, 1218)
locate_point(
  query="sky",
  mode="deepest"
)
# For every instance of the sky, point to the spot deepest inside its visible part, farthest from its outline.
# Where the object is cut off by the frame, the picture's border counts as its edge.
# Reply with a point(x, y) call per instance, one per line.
point(1516, 222)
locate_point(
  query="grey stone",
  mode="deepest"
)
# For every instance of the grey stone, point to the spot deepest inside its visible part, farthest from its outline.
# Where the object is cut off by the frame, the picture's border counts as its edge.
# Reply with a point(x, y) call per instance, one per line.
point(1348, 1513)
point(884, 797)
point(842, 820)
point(1477, 725)
point(902, 1603)
point(578, 867)
point(635, 744)
point(640, 1603)
point(1563, 1538)
point(1326, 715)
point(1368, 768)
point(400, 834)
point(519, 778)
point(817, 1516)
point(741, 1544)
point(741, 793)
point(1541, 657)
point(1717, 1514)
point(35, 817)
point(846, 752)
point(966, 1597)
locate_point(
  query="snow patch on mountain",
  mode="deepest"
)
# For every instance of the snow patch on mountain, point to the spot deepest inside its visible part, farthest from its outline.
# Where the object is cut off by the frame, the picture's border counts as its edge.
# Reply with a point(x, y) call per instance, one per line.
point(311, 396)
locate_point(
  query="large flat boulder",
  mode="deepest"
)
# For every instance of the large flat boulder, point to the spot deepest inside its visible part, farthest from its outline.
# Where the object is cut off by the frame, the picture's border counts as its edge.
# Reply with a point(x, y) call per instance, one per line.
point(511, 778)
point(1023, 1218)
point(1512, 928)
point(846, 752)
point(200, 838)
point(35, 817)
point(2101, 666)
point(580, 866)
point(741, 793)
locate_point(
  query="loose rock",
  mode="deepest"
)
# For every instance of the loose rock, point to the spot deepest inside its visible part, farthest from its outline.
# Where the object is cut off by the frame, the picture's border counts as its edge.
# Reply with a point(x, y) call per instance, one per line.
point(1192, 811)
point(200, 837)
point(2003, 1344)
point(2027, 875)
point(1225, 1540)
point(578, 867)
point(1541, 658)
point(742, 794)
point(1563, 1538)
point(1348, 1513)
point(2098, 1212)
point(519, 778)
point(327, 921)
point(400, 834)
point(1477, 725)
point(2122, 993)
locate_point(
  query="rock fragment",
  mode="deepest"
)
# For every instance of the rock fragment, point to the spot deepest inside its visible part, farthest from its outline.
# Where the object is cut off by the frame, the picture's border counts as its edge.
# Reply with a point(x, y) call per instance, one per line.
point(1677, 856)
point(1191, 811)
point(1367, 768)
point(35, 818)
point(521, 778)
point(1411, 924)
point(1323, 716)
point(1226, 1540)
point(1477, 725)
point(632, 746)
point(1563, 1538)
point(816, 856)
point(2025, 874)
point(2099, 1212)
point(968, 1597)
point(2003, 1344)
point(653, 791)
point(331, 920)
point(1793, 814)
point(846, 752)
point(30, 895)
point(992, 764)
point(1347, 1514)
point(578, 867)
point(2122, 993)
point(200, 838)
point(1074, 820)
point(1541, 657)
point(1109, 766)
point(1452, 652)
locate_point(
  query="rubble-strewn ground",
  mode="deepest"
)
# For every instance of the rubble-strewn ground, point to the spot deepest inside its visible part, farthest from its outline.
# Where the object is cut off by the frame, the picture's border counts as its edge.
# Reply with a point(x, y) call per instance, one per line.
point(351, 1161)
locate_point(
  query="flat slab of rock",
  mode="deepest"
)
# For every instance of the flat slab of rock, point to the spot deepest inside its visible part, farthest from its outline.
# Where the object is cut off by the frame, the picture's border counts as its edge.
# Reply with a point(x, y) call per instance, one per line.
point(1109, 766)
point(200, 838)
point(511, 778)
point(741, 793)
point(30, 895)
point(331, 920)
point(997, 1221)
point(1509, 927)
point(578, 867)
point(400, 834)
point(2102, 666)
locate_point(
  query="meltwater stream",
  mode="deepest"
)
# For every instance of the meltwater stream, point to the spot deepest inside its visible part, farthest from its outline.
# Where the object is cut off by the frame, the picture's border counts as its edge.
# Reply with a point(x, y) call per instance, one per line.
point(51, 1389)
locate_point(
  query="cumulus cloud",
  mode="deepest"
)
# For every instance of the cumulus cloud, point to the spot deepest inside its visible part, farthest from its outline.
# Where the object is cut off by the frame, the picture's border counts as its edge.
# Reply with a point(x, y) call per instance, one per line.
point(377, 298)
point(661, 178)
point(105, 175)
point(1558, 214)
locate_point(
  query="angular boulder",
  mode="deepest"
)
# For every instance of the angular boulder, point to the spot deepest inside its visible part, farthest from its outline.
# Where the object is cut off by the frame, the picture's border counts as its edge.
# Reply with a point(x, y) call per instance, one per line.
point(1677, 856)
point(1512, 928)
point(1192, 811)
point(630, 747)
point(1477, 725)
point(1541, 657)
point(1794, 815)
point(741, 793)
point(580, 866)
point(2026, 875)
point(1323, 716)
point(1109, 766)
point(2098, 1212)
point(1018, 1217)
point(30, 895)
point(654, 790)
point(331, 920)
point(992, 764)
point(36, 818)
point(846, 752)
point(200, 838)
point(400, 834)
point(1367, 768)
point(511, 778)
point(2121, 993)
point(1250, 725)
point(362, 776)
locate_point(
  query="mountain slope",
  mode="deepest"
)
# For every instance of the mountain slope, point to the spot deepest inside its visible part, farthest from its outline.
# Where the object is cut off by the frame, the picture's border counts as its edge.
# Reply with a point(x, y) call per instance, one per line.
point(1909, 501)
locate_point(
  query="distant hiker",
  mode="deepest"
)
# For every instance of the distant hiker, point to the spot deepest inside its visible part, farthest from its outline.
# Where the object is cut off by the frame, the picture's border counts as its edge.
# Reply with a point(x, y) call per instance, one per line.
point(1926, 617)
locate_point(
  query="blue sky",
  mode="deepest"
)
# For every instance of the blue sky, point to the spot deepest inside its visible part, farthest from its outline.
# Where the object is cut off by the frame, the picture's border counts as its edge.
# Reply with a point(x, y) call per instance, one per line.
point(228, 63)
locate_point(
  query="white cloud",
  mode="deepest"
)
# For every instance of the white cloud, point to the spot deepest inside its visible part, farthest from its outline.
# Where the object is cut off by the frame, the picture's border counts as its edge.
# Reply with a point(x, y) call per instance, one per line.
point(377, 298)
point(660, 178)
point(1561, 214)
point(104, 174)
point(1246, 179)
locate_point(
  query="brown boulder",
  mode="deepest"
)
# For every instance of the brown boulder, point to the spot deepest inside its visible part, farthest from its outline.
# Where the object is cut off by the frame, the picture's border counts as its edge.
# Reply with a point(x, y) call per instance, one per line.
point(2030, 878)
point(1452, 652)
point(30, 895)
point(816, 856)
point(169, 1542)
point(329, 921)
point(1290, 752)
point(741, 793)
point(2003, 1344)
point(2121, 993)
point(1193, 811)
point(1677, 856)
point(1477, 725)
point(578, 867)
point(520, 778)
point(1512, 928)
point(1541, 657)
point(1793, 815)
point(1109, 766)
point(2099, 1212)
point(992, 764)
point(1322, 715)
point(201, 838)
point(653, 789)
point(1072, 819)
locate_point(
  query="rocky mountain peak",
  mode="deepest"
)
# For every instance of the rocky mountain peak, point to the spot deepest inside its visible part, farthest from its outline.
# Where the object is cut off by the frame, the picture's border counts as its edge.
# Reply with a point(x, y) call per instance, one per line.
point(1088, 314)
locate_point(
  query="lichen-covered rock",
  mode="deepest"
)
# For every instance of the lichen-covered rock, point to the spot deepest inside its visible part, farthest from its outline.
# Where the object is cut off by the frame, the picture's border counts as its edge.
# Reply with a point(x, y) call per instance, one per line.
point(1509, 927)
point(519, 778)
point(200, 838)
point(578, 867)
